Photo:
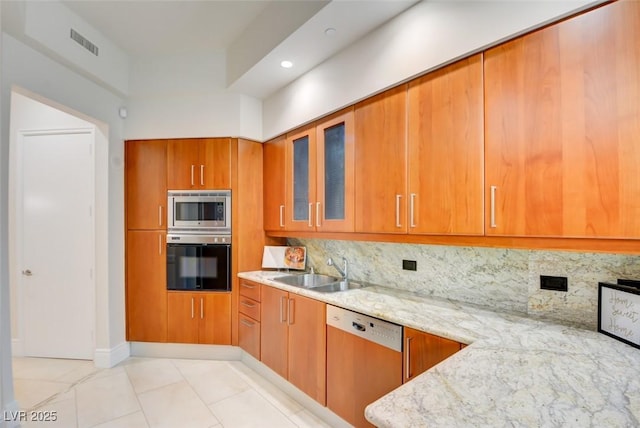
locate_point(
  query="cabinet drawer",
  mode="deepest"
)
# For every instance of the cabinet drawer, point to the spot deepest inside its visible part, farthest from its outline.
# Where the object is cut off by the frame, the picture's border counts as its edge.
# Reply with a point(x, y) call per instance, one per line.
point(250, 289)
point(249, 307)
point(249, 335)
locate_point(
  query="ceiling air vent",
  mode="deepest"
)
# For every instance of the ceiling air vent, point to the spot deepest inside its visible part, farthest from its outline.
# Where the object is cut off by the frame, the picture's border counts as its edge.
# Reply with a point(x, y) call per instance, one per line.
point(82, 41)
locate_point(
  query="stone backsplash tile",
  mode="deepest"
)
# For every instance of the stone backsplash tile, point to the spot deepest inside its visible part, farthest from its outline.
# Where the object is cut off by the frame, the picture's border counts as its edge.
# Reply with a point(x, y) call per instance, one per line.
point(503, 279)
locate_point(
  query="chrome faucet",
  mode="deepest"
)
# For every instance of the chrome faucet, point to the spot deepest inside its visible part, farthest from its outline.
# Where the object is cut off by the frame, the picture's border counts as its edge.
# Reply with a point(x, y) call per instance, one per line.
point(344, 272)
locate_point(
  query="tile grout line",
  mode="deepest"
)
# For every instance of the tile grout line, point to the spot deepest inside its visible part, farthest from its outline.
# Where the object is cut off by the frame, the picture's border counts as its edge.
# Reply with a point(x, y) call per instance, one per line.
point(144, 415)
point(264, 396)
point(57, 394)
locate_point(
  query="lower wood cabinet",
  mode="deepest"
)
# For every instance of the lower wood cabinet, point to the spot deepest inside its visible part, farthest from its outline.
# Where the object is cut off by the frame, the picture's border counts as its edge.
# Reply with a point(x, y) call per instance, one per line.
point(199, 317)
point(293, 339)
point(146, 289)
point(249, 317)
point(423, 351)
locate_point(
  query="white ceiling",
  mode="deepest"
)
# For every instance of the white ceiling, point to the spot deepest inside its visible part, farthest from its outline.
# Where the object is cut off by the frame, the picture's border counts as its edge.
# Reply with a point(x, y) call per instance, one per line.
point(255, 35)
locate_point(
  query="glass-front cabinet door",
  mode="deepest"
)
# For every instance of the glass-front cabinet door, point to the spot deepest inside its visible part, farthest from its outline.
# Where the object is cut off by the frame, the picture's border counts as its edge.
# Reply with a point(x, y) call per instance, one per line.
point(301, 180)
point(320, 176)
point(335, 174)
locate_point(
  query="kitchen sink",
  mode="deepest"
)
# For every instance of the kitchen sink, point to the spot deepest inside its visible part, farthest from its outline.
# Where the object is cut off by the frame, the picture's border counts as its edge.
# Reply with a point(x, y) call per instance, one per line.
point(307, 280)
point(319, 283)
point(338, 286)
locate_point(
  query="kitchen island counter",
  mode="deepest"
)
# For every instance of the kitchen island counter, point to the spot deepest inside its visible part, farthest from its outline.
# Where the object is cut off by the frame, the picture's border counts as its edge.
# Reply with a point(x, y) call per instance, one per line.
point(517, 371)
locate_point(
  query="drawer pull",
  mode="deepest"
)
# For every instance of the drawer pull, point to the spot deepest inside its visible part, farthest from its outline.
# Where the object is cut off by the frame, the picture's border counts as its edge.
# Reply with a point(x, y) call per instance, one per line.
point(245, 285)
point(247, 304)
point(247, 323)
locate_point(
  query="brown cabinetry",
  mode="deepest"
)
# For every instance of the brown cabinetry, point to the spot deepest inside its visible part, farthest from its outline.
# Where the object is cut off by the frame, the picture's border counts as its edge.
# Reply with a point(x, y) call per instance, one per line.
point(199, 317)
point(146, 202)
point(199, 163)
point(381, 163)
point(430, 131)
point(249, 317)
point(446, 150)
point(319, 176)
point(293, 340)
point(146, 184)
point(423, 351)
point(561, 128)
point(146, 289)
point(274, 184)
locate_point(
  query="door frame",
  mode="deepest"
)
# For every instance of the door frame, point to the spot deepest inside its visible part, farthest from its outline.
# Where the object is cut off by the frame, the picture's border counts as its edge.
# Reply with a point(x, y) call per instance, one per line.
point(16, 249)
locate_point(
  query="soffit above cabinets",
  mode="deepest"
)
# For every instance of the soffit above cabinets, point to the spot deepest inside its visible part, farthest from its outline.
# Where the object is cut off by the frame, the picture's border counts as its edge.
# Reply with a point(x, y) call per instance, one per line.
point(255, 35)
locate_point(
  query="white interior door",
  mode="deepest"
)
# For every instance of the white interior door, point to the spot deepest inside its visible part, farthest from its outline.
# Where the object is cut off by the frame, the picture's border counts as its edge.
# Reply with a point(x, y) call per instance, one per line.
point(57, 245)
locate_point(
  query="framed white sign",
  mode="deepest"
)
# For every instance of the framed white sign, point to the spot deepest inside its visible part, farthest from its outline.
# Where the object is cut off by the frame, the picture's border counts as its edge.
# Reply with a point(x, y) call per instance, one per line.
point(619, 312)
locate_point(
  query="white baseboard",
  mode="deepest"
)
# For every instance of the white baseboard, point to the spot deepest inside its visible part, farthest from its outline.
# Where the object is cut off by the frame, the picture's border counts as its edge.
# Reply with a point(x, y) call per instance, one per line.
point(307, 402)
point(11, 415)
point(184, 350)
point(107, 358)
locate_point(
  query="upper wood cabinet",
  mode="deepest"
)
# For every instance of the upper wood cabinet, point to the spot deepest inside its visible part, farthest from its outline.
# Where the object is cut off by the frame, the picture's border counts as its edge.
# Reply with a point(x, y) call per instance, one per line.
point(562, 126)
point(320, 175)
point(146, 184)
point(274, 183)
point(199, 163)
point(446, 150)
point(381, 163)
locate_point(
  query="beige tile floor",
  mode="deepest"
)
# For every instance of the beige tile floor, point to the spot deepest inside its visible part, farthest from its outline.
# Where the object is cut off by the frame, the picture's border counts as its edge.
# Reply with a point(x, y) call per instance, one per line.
point(149, 392)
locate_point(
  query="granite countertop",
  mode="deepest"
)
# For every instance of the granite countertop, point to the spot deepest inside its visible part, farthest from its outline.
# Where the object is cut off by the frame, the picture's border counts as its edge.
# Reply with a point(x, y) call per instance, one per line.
point(517, 371)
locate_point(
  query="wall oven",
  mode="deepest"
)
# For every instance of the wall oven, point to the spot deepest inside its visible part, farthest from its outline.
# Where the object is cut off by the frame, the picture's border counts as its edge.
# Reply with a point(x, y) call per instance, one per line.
point(200, 211)
point(198, 262)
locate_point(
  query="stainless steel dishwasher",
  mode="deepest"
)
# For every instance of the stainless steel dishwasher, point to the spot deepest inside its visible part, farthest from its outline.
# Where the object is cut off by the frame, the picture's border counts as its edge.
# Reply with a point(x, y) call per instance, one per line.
point(364, 362)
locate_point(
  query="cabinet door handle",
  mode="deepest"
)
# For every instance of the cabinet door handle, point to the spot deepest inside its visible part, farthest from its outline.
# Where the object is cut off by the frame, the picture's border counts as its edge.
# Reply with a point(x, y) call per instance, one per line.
point(201, 308)
point(192, 169)
point(192, 311)
point(247, 304)
point(310, 216)
point(398, 224)
point(159, 215)
point(283, 317)
point(202, 175)
point(290, 311)
point(160, 244)
point(247, 323)
point(411, 209)
point(493, 206)
point(318, 214)
point(407, 350)
point(281, 215)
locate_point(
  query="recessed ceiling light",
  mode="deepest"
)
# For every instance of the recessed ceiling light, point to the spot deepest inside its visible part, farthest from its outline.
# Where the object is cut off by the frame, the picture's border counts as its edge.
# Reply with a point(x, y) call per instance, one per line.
point(329, 32)
point(286, 64)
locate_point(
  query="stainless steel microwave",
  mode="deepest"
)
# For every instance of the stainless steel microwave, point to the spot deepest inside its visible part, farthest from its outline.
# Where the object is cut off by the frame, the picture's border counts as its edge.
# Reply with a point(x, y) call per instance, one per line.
point(199, 211)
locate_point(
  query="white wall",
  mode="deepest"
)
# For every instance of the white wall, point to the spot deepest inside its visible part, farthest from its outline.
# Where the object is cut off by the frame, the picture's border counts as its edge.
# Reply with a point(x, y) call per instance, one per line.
point(186, 96)
point(49, 23)
point(424, 37)
point(29, 69)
